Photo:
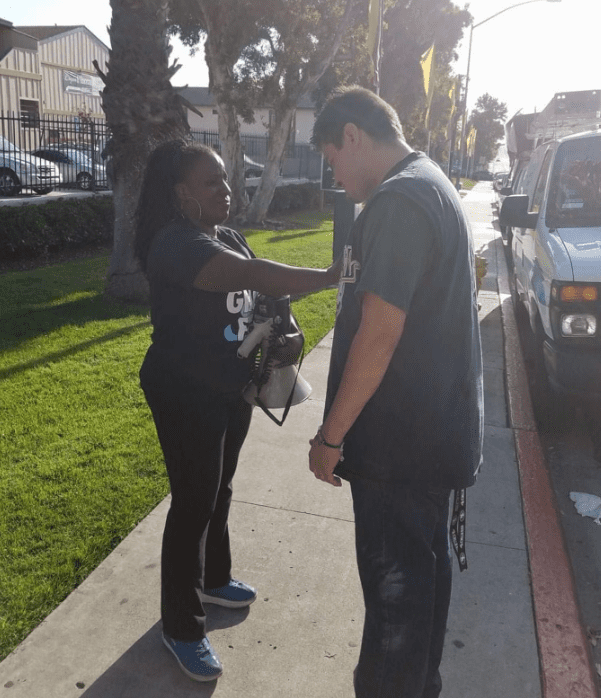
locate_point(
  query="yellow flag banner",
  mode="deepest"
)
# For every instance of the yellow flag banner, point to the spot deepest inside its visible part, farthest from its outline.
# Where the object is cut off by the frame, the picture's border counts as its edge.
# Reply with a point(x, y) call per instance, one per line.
point(374, 37)
point(471, 140)
point(427, 64)
point(453, 98)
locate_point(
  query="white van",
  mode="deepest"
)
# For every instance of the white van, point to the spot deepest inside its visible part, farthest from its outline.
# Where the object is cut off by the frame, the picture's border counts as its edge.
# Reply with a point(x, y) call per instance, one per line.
point(556, 249)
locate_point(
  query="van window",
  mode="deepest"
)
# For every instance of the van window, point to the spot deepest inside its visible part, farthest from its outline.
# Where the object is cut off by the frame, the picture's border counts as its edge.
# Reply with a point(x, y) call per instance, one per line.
point(575, 190)
point(539, 192)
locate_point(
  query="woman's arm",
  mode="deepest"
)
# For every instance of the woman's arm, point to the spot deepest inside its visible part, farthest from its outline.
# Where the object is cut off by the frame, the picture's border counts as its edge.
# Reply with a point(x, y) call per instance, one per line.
point(230, 271)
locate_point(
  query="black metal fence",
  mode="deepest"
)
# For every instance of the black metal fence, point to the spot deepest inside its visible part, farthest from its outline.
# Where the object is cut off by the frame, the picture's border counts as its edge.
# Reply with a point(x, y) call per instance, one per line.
point(300, 161)
point(54, 152)
point(60, 152)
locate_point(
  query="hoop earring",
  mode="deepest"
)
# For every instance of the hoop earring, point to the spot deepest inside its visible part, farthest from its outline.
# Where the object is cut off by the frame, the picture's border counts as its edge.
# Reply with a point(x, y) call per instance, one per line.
point(196, 202)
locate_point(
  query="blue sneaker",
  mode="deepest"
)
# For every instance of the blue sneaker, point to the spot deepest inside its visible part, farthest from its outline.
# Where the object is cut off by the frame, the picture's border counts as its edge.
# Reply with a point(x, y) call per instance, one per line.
point(196, 659)
point(234, 594)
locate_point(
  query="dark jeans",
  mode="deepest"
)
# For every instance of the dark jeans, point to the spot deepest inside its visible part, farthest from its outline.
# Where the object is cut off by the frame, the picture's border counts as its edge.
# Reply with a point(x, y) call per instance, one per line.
point(405, 569)
point(201, 433)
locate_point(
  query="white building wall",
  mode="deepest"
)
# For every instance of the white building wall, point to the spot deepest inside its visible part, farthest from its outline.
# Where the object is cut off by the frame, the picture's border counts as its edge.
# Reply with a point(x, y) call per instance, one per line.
point(209, 122)
point(305, 118)
point(19, 78)
point(73, 51)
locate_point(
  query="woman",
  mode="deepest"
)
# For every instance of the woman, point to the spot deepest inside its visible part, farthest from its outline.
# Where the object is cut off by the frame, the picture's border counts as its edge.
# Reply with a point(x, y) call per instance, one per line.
point(202, 278)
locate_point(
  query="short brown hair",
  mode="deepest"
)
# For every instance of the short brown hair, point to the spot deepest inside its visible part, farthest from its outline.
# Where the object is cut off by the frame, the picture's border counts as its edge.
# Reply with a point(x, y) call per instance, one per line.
point(356, 105)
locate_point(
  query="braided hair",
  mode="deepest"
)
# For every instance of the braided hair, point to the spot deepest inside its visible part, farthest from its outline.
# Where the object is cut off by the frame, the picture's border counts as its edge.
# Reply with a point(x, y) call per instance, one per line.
point(168, 165)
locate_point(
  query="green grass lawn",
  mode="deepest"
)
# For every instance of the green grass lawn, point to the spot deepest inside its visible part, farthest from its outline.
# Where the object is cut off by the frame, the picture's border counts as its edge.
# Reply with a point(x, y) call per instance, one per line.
point(80, 461)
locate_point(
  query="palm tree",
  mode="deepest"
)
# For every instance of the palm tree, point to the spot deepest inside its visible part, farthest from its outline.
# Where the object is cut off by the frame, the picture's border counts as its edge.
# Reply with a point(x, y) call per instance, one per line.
point(142, 110)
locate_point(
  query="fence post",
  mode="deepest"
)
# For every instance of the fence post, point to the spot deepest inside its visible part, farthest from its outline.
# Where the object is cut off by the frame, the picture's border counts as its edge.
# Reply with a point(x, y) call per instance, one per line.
point(93, 142)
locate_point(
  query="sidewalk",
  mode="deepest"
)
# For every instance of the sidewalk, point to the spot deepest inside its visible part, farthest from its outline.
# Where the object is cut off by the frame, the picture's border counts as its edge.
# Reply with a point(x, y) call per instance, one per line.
point(292, 537)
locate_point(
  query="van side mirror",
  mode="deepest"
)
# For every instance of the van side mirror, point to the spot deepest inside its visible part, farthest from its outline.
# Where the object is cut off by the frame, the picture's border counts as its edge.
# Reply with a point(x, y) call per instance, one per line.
point(514, 212)
point(506, 191)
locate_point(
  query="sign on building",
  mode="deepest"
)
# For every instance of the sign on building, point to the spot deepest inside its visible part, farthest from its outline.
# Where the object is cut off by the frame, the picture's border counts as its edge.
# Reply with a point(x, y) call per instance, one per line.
point(82, 83)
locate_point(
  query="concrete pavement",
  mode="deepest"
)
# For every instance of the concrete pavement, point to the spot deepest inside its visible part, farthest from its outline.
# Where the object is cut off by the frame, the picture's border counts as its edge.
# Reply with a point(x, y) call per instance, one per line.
point(292, 537)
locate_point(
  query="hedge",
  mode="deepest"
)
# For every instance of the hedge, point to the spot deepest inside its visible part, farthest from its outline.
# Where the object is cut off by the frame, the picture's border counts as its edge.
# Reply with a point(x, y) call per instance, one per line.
point(292, 197)
point(31, 231)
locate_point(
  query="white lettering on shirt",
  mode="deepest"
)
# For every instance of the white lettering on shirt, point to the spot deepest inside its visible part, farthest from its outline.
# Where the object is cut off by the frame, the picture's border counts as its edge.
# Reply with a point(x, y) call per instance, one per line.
point(350, 267)
point(239, 303)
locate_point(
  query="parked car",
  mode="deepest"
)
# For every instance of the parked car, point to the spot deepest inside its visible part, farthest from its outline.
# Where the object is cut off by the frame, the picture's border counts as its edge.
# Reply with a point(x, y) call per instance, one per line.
point(482, 175)
point(499, 180)
point(252, 168)
point(20, 170)
point(95, 154)
point(556, 251)
point(75, 167)
point(512, 185)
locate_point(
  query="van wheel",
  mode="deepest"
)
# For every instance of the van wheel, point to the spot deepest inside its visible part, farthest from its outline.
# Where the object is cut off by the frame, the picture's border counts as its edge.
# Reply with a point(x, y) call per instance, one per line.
point(551, 409)
point(9, 183)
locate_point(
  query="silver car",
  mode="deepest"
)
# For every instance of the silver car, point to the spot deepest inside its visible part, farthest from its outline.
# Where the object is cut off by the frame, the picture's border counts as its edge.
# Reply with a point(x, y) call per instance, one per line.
point(75, 167)
point(20, 170)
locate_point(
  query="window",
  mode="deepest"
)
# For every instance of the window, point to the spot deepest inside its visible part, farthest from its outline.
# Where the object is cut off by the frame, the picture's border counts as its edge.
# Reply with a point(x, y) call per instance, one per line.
point(30, 113)
point(575, 190)
point(539, 192)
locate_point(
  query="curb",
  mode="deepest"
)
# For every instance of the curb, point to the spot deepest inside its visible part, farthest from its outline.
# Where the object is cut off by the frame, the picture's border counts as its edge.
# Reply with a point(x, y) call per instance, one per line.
point(565, 658)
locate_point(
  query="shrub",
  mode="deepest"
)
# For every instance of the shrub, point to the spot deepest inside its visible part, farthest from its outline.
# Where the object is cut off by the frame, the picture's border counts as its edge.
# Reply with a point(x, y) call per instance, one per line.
point(67, 224)
point(293, 197)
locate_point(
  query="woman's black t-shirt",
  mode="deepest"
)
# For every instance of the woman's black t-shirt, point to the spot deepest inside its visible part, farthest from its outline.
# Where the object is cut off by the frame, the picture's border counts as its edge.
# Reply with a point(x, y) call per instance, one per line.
point(197, 333)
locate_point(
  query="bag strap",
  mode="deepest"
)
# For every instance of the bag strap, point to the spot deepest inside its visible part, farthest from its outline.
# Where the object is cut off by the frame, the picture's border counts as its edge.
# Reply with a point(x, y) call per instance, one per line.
point(265, 409)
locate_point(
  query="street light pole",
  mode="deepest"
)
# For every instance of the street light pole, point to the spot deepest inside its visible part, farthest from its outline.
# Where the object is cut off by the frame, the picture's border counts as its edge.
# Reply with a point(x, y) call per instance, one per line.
point(467, 74)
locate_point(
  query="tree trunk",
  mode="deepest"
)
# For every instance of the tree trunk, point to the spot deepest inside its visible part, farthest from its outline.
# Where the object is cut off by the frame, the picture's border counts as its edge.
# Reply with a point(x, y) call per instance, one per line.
point(219, 55)
point(142, 111)
point(233, 158)
point(278, 137)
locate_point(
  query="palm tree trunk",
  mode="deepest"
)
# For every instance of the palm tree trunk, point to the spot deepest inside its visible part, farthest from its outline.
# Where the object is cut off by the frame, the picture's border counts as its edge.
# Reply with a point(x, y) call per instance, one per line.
point(142, 111)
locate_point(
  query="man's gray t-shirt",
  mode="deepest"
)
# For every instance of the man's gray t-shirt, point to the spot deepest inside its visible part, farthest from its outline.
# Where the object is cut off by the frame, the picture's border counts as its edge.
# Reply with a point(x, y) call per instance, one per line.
point(412, 247)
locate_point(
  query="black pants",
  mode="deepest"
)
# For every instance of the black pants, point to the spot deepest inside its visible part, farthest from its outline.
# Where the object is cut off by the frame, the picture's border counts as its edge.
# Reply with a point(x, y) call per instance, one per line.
point(201, 432)
point(405, 569)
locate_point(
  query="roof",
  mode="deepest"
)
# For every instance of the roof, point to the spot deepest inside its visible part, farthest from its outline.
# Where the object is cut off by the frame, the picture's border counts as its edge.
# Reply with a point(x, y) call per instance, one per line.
point(43, 33)
point(198, 96)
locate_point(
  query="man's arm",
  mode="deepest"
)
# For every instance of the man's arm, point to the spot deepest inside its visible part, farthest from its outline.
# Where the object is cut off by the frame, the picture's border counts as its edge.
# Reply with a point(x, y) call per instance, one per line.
point(370, 353)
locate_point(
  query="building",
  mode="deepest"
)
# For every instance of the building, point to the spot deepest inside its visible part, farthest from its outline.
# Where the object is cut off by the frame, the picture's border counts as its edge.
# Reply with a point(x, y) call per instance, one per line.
point(204, 102)
point(49, 71)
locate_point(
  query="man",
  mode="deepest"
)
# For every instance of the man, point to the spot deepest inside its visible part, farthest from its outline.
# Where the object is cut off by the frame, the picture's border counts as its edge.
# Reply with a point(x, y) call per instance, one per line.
point(403, 418)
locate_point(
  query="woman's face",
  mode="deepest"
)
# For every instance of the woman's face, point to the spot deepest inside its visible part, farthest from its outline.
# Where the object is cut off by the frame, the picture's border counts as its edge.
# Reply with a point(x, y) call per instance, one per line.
point(204, 193)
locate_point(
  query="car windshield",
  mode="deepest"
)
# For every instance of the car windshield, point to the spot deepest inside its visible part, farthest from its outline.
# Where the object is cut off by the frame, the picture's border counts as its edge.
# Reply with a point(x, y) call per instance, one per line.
point(575, 190)
point(78, 157)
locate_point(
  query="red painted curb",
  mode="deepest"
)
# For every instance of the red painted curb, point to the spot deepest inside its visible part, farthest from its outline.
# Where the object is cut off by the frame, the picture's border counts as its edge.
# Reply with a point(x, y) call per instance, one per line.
point(565, 656)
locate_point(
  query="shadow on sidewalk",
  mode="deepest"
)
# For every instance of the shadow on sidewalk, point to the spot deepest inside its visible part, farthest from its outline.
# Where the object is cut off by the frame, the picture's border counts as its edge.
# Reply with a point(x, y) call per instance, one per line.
point(148, 670)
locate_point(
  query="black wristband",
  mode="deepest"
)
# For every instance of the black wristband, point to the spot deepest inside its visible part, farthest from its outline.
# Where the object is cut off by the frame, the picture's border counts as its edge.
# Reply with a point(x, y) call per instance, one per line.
point(322, 442)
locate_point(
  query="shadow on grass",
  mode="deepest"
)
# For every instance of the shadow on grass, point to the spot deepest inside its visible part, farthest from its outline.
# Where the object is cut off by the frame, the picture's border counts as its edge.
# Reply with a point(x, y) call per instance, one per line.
point(294, 236)
point(282, 237)
point(55, 356)
point(21, 326)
